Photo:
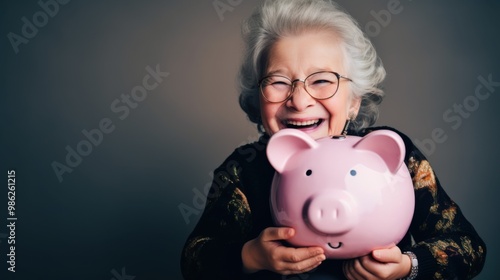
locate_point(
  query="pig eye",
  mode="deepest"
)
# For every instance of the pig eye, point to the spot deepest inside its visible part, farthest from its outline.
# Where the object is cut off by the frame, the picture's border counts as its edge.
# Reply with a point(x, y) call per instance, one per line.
point(353, 172)
point(309, 172)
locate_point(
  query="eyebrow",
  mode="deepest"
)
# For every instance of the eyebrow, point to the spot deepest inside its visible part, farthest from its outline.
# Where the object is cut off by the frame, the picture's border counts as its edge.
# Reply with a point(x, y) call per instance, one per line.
point(275, 72)
point(280, 72)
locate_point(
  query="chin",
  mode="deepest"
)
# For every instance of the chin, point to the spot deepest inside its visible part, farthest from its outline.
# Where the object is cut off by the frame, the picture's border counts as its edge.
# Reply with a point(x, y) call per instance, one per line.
point(317, 136)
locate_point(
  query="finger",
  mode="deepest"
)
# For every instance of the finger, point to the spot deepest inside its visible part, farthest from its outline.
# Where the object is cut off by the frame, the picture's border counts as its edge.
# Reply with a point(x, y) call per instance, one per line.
point(391, 255)
point(306, 270)
point(300, 254)
point(277, 233)
point(346, 270)
point(351, 272)
point(303, 266)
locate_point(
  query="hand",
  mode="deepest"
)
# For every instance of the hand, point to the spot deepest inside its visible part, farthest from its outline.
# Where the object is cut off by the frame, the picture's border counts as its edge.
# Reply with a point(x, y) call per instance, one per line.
point(267, 252)
point(380, 264)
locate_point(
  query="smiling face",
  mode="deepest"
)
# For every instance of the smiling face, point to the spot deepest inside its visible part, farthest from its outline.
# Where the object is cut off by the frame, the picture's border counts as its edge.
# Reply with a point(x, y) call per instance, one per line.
point(296, 57)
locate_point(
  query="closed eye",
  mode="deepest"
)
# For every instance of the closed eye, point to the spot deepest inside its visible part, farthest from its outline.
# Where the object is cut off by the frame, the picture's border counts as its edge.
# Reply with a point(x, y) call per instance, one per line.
point(317, 82)
point(279, 83)
point(321, 84)
point(282, 86)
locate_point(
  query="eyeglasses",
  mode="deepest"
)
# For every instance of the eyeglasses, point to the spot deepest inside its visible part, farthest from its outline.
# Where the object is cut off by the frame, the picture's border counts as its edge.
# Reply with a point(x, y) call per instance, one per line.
point(319, 85)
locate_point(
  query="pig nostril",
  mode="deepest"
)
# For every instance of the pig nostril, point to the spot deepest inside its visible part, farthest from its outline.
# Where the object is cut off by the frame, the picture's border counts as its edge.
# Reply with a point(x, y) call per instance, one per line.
point(335, 214)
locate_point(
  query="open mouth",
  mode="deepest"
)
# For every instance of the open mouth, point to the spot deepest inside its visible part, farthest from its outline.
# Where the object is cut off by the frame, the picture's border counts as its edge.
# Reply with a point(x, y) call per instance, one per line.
point(335, 246)
point(303, 124)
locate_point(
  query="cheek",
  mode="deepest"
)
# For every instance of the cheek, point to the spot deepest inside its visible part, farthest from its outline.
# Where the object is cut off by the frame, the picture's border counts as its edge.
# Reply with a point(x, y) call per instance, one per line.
point(337, 109)
point(266, 110)
point(336, 125)
point(269, 114)
point(339, 105)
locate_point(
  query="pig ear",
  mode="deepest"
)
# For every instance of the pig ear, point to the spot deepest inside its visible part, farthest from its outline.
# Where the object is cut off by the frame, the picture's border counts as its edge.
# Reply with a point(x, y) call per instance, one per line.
point(284, 144)
point(387, 144)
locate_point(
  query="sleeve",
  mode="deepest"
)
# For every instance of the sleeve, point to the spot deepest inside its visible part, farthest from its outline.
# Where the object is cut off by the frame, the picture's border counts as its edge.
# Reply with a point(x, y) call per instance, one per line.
point(446, 245)
point(213, 250)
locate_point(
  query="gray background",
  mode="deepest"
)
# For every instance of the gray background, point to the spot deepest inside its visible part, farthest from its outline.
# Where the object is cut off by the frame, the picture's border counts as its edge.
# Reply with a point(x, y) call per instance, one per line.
point(117, 213)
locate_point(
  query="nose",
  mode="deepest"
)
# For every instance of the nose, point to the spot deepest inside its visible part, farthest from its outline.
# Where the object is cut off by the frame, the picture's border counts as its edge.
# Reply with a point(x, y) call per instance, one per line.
point(300, 98)
point(335, 212)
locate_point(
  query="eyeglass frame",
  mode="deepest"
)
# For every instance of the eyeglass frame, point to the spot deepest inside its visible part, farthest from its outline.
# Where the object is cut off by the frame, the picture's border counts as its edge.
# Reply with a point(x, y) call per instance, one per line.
point(292, 85)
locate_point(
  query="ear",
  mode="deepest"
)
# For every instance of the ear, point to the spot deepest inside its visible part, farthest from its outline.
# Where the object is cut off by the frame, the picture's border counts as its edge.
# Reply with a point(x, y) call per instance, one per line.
point(387, 144)
point(285, 143)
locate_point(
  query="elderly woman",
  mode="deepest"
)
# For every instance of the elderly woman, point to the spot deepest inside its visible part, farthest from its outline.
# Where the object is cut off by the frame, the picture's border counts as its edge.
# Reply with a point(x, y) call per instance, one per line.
point(308, 66)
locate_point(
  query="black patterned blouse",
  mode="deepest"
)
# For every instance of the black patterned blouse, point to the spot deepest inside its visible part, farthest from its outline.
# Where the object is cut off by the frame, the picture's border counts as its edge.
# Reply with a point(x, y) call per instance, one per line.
point(237, 210)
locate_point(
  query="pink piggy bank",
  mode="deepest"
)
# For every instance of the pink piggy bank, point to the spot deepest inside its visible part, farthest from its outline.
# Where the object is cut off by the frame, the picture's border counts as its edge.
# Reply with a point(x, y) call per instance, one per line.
point(349, 195)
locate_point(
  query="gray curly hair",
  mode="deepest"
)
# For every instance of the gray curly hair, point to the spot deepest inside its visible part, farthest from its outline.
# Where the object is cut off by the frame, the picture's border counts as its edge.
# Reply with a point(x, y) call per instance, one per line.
point(275, 19)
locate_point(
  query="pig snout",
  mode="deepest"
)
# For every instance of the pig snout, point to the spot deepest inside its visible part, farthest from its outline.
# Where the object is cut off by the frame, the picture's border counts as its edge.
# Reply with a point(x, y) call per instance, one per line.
point(333, 212)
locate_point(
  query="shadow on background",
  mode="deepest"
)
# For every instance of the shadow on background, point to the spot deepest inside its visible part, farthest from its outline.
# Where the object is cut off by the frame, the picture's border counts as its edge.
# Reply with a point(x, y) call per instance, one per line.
point(106, 158)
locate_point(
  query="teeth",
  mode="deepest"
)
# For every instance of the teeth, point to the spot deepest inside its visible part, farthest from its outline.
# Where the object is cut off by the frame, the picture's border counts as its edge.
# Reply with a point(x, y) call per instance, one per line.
point(304, 123)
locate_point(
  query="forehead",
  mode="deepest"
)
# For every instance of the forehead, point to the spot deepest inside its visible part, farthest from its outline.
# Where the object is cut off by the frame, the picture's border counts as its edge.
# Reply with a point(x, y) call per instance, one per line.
point(305, 53)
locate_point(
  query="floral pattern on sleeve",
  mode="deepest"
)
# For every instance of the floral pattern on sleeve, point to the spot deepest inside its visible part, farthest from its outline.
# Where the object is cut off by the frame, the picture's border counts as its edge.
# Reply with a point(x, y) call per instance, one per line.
point(440, 228)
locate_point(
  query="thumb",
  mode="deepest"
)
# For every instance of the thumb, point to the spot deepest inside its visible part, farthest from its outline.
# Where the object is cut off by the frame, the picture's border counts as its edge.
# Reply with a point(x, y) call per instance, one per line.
point(277, 233)
point(391, 255)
